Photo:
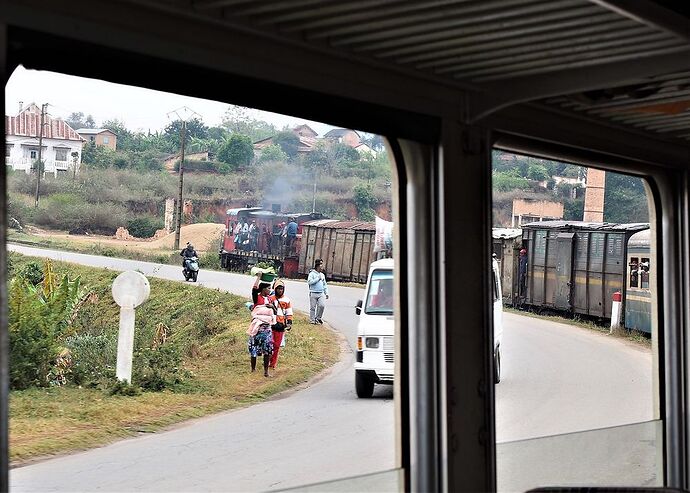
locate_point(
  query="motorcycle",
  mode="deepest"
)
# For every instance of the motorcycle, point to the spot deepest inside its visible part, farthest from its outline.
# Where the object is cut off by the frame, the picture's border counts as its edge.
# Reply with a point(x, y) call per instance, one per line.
point(191, 268)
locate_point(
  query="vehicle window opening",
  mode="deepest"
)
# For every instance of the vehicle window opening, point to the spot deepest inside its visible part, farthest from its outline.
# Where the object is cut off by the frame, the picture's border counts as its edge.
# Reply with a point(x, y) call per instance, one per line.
point(634, 264)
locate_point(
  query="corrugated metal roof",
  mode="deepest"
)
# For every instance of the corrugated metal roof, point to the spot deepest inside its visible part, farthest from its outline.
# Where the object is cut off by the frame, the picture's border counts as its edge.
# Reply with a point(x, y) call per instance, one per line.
point(486, 46)
point(582, 225)
point(500, 233)
point(335, 224)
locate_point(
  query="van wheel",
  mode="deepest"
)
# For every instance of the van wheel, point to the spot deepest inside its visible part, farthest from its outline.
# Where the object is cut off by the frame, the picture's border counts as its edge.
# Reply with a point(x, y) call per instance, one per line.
point(364, 385)
point(497, 365)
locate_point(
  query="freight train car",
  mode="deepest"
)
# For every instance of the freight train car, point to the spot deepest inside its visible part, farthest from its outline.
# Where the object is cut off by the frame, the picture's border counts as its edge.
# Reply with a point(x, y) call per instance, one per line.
point(239, 253)
point(574, 266)
point(346, 247)
point(506, 247)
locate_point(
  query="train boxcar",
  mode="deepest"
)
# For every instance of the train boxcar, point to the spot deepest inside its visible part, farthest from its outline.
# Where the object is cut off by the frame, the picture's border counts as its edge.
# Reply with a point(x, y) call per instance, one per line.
point(506, 248)
point(269, 244)
point(638, 296)
point(346, 247)
point(575, 266)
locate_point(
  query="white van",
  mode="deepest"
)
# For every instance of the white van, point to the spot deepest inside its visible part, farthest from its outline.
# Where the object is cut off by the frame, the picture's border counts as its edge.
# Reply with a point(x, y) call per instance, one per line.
point(375, 331)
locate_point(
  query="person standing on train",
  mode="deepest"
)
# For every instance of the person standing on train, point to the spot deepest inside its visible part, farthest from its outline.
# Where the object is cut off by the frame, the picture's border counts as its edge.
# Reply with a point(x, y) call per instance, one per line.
point(291, 235)
point(318, 292)
point(522, 273)
point(283, 318)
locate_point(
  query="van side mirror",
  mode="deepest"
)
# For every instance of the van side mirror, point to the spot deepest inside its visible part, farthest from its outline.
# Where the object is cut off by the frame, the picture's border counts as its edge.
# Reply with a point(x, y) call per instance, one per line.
point(358, 307)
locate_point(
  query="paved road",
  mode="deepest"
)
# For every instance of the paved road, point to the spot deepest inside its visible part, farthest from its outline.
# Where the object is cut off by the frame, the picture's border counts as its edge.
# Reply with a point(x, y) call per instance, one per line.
point(556, 379)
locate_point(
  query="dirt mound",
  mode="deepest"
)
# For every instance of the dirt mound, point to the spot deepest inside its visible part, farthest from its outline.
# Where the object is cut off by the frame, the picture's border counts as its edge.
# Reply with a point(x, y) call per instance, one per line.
point(204, 236)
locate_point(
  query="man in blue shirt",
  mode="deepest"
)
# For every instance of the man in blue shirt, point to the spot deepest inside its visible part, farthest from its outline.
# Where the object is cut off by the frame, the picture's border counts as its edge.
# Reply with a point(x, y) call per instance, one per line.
point(291, 232)
point(318, 292)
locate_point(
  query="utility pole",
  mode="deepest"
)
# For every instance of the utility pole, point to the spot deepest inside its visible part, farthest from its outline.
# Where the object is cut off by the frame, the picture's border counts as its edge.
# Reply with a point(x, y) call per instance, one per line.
point(39, 166)
point(183, 114)
point(178, 223)
point(313, 196)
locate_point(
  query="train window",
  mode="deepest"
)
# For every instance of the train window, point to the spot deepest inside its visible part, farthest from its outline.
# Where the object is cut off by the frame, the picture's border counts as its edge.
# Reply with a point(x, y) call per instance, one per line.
point(634, 265)
point(644, 273)
point(279, 193)
point(566, 398)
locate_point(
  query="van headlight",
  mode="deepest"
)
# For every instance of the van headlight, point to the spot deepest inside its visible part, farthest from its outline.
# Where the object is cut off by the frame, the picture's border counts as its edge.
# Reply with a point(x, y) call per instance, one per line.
point(372, 342)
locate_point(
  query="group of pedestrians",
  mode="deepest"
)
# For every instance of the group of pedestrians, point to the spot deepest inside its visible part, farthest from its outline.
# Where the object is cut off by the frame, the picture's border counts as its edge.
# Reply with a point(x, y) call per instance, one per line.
point(272, 315)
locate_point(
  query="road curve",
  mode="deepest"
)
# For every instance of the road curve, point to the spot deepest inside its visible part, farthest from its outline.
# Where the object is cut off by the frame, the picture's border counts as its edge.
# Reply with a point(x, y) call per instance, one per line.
point(556, 379)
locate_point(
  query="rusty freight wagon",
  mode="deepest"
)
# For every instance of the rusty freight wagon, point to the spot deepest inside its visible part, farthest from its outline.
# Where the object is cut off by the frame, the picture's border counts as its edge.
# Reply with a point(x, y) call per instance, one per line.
point(575, 266)
point(506, 244)
point(346, 247)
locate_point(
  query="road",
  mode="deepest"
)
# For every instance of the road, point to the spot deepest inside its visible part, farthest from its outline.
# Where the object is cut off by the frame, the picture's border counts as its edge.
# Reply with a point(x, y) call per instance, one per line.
point(557, 379)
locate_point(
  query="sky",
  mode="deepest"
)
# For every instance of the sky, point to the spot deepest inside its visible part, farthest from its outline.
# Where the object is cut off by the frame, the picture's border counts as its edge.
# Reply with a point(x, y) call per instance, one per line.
point(140, 109)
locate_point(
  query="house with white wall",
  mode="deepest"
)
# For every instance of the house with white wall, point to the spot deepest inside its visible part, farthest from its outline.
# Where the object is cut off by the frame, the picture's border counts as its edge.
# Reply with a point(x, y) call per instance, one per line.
point(61, 145)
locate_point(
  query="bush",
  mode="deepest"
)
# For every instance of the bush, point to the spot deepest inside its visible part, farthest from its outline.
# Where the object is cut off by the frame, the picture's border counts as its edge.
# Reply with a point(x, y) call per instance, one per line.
point(93, 359)
point(272, 153)
point(32, 273)
point(38, 316)
point(144, 227)
point(158, 369)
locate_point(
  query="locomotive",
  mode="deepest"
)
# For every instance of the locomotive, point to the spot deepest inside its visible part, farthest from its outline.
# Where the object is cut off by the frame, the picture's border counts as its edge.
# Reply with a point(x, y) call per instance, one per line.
point(269, 245)
point(575, 267)
point(347, 247)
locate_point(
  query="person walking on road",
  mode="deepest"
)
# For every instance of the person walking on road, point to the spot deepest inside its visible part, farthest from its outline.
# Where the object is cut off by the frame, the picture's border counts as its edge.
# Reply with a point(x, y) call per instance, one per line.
point(318, 292)
point(260, 333)
point(283, 319)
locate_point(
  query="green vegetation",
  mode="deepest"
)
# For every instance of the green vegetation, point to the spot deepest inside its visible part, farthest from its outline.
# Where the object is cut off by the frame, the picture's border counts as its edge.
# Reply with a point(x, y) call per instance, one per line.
point(129, 186)
point(190, 358)
point(524, 177)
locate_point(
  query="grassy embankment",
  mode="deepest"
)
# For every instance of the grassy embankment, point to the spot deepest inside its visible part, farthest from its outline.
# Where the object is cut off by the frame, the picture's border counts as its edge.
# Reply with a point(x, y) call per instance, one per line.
point(207, 325)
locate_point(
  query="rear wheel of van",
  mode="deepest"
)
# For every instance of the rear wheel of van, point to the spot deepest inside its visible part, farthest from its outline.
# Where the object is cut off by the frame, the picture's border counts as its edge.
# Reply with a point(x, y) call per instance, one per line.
point(497, 365)
point(364, 385)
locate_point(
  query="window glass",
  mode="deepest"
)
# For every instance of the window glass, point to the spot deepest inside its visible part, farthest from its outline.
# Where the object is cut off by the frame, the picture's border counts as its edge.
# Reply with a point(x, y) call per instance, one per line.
point(380, 295)
point(307, 190)
point(634, 266)
point(644, 273)
point(577, 401)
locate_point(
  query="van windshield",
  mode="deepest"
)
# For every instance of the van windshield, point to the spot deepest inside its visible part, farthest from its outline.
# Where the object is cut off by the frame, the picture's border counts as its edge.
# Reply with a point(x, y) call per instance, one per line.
point(380, 295)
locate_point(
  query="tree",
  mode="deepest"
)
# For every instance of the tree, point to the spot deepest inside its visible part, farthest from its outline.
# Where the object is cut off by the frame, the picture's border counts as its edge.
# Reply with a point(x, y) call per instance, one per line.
point(625, 199)
point(288, 142)
point(272, 153)
point(195, 128)
point(237, 120)
point(89, 122)
point(97, 156)
point(237, 151)
point(365, 201)
point(76, 120)
point(125, 138)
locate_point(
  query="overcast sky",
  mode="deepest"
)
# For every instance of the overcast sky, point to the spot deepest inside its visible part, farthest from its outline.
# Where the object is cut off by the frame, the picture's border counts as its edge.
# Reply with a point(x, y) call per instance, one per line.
point(139, 109)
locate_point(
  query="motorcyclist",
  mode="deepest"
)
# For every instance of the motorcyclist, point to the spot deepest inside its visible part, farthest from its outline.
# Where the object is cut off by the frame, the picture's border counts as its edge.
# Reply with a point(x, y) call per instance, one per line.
point(187, 253)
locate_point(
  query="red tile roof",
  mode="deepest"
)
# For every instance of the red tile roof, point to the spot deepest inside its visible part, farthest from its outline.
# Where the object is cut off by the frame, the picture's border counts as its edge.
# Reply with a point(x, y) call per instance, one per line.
point(28, 121)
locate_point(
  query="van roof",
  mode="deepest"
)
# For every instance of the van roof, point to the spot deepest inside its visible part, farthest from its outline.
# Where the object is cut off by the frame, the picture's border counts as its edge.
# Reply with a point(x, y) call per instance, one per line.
point(384, 263)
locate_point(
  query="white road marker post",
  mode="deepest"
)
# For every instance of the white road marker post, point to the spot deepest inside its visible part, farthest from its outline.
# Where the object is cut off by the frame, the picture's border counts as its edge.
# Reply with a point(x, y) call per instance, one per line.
point(616, 308)
point(130, 289)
